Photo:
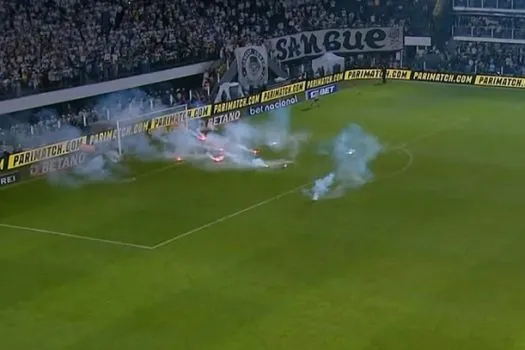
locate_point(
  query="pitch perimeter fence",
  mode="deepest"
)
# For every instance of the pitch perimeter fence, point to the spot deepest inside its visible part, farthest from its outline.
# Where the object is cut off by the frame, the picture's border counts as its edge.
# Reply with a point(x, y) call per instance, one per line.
point(67, 154)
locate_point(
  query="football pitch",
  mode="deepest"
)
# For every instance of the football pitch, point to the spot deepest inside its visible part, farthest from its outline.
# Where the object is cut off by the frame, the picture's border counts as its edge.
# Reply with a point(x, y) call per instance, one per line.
point(430, 255)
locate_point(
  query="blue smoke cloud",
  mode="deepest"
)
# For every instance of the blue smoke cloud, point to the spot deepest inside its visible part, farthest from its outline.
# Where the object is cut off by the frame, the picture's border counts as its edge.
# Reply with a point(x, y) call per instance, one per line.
point(351, 151)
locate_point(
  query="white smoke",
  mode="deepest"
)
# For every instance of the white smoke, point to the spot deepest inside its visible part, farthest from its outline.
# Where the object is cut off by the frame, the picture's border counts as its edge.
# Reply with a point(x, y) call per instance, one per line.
point(351, 151)
point(243, 145)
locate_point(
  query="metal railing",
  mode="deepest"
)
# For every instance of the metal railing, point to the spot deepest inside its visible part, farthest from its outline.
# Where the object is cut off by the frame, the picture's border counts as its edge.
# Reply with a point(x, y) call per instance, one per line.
point(468, 65)
point(491, 4)
point(489, 32)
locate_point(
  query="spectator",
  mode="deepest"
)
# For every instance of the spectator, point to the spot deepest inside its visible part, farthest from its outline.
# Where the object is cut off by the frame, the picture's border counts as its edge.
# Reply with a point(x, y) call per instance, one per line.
point(56, 44)
point(61, 43)
point(51, 45)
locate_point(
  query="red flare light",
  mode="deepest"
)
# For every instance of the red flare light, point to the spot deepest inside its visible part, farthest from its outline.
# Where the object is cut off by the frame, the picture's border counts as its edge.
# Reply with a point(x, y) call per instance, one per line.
point(179, 159)
point(202, 137)
point(255, 151)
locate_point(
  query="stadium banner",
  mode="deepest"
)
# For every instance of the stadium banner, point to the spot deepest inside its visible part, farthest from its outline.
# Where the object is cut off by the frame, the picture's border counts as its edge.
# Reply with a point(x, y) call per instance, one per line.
point(315, 43)
point(21, 159)
point(365, 74)
point(263, 97)
point(58, 164)
point(215, 121)
point(283, 103)
point(322, 91)
point(252, 65)
point(498, 81)
point(9, 179)
point(436, 77)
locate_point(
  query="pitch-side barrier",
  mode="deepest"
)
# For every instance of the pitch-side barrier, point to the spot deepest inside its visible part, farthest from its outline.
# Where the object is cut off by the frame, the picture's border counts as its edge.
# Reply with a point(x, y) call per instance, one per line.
point(66, 154)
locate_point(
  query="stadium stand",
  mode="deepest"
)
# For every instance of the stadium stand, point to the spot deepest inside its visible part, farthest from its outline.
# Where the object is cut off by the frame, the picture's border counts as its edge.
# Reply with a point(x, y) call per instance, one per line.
point(62, 43)
point(57, 44)
point(490, 36)
point(38, 126)
point(490, 27)
point(485, 36)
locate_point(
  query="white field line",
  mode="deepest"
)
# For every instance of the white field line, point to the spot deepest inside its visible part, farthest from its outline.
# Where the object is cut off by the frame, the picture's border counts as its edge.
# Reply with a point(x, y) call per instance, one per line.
point(86, 238)
point(230, 216)
point(404, 169)
point(70, 235)
point(402, 147)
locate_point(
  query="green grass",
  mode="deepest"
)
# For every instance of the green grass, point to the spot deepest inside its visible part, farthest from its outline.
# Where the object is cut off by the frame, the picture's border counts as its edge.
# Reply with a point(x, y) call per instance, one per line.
point(431, 258)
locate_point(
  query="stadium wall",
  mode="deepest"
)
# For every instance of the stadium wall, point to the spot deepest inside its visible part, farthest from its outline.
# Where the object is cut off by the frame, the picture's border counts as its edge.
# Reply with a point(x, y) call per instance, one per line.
point(67, 154)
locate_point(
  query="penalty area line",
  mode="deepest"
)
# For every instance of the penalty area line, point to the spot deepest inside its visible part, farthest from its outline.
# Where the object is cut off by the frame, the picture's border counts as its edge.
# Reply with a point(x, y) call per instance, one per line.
point(228, 217)
point(70, 235)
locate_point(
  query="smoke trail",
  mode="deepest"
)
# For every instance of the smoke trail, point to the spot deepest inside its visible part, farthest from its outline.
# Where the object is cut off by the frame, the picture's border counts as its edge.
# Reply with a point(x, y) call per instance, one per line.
point(351, 151)
point(278, 135)
point(236, 146)
point(143, 146)
point(104, 163)
point(233, 147)
point(275, 133)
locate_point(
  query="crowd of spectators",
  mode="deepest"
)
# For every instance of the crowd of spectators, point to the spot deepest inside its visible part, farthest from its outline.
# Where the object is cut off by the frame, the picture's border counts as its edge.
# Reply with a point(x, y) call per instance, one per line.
point(50, 44)
point(484, 56)
point(57, 44)
point(53, 44)
point(494, 58)
point(494, 27)
point(474, 57)
point(480, 53)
